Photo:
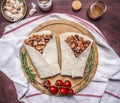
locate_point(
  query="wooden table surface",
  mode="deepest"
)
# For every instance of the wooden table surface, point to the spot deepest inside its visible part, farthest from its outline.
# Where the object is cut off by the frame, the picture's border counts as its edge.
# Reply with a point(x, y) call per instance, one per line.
point(109, 25)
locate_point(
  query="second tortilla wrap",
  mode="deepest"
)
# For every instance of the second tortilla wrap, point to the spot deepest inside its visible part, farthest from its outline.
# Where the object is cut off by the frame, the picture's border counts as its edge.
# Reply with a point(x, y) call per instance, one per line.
point(72, 66)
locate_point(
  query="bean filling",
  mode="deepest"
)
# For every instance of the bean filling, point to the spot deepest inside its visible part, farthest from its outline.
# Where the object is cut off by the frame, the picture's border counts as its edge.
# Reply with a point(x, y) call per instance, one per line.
point(39, 42)
point(77, 44)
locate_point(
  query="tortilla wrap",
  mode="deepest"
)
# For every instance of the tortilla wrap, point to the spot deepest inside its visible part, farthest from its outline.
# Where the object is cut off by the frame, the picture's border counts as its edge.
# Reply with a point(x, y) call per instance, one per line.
point(46, 64)
point(72, 66)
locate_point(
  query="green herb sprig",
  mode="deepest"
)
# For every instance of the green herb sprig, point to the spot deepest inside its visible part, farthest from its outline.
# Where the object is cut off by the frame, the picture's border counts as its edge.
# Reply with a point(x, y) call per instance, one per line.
point(90, 64)
point(26, 68)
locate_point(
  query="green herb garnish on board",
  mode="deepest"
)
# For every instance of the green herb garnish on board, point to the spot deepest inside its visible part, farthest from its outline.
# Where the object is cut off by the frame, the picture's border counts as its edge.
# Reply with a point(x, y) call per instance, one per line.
point(26, 68)
point(90, 64)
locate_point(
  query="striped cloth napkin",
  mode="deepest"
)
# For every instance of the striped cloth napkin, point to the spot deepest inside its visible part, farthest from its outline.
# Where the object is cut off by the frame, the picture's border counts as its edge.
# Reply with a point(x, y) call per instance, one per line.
point(104, 87)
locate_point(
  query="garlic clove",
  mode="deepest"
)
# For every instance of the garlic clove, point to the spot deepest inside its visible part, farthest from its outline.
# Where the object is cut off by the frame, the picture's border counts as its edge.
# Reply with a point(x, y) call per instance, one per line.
point(16, 6)
point(16, 17)
point(21, 4)
point(13, 1)
point(11, 4)
point(33, 5)
point(8, 7)
point(14, 11)
point(32, 11)
point(8, 13)
point(7, 0)
point(17, 2)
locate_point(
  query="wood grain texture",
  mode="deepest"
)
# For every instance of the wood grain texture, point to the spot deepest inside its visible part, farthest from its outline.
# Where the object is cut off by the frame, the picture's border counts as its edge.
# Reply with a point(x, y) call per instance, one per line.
point(109, 25)
point(59, 27)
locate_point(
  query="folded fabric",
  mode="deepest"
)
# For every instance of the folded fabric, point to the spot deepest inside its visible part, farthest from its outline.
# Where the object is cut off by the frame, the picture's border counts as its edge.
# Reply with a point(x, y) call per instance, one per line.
point(112, 93)
point(108, 66)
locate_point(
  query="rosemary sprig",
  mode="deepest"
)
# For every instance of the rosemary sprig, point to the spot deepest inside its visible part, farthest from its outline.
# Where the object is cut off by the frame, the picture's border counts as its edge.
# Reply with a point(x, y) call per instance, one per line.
point(90, 64)
point(26, 68)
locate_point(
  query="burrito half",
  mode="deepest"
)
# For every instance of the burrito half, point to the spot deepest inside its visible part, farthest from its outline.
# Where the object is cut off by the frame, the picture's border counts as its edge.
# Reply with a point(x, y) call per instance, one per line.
point(42, 49)
point(75, 49)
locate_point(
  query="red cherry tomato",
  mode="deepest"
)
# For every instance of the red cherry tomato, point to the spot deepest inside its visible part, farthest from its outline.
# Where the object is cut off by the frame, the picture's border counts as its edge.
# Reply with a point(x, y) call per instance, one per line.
point(67, 83)
point(53, 90)
point(70, 92)
point(59, 83)
point(63, 91)
point(46, 83)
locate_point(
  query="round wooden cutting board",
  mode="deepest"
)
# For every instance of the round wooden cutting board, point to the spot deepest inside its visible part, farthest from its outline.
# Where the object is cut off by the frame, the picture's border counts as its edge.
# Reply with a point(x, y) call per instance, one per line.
point(59, 27)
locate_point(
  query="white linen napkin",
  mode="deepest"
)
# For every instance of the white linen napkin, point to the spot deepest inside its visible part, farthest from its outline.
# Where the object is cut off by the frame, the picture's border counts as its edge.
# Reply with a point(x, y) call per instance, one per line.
point(98, 90)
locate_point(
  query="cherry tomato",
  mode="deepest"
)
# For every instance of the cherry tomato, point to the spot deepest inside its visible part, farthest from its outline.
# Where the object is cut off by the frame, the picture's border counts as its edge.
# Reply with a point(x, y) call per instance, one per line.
point(63, 91)
point(67, 83)
point(46, 83)
point(70, 92)
point(59, 83)
point(53, 90)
